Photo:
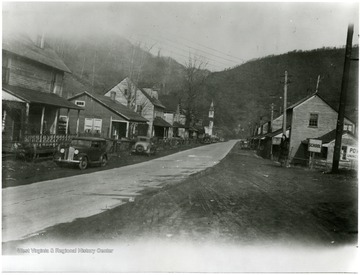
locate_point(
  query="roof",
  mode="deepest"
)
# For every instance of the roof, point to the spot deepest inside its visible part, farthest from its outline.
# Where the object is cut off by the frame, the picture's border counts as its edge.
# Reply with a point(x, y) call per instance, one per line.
point(158, 121)
point(330, 136)
point(33, 96)
point(115, 106)
point(178, 125)
point(23, 46)
point(153, 100)
point(307, 98)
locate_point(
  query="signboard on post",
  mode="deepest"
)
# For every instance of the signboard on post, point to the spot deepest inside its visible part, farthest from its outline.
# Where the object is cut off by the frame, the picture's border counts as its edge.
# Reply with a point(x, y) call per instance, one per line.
point(351, 153)
point(315, 145)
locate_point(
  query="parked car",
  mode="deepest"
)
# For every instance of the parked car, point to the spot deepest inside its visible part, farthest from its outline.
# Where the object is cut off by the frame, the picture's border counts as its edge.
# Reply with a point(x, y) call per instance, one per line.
point(144, 145)
point(244, 144)
point(82, 151)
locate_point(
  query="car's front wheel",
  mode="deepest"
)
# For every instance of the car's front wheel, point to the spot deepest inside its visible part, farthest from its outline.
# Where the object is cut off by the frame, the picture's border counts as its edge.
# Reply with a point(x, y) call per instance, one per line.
point(83, 163)
point(103, 161)
point(139, 149)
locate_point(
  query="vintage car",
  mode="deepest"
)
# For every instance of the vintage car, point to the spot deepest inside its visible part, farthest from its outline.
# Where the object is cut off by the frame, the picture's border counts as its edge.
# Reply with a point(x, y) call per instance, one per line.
point(82, 151)
point(144, 145)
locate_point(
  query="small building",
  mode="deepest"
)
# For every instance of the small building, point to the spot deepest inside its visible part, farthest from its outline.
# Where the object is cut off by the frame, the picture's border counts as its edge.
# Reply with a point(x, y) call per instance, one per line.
point(327, 151)
point(106, 117)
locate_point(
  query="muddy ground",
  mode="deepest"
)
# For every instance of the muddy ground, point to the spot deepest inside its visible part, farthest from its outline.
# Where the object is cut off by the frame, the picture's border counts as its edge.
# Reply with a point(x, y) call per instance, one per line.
point(244, 199)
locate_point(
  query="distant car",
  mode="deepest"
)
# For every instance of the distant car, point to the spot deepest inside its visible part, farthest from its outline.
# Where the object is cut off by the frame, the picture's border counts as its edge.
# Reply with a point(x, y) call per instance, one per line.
point(82, 151)
point(245, 144)
point(144, 145)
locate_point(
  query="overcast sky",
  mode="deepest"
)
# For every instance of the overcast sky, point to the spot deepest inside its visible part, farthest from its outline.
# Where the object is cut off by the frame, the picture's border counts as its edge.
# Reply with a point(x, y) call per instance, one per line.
point(226, 34)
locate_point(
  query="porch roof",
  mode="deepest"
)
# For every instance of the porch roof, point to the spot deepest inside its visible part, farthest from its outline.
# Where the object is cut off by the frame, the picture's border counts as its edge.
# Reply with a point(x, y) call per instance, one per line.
point(33, 96)
point(158, 121)
point(178, 125)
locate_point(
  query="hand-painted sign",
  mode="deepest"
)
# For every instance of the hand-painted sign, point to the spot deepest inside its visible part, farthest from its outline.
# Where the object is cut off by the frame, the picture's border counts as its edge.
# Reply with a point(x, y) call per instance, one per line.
point(351, 153)
point(315, 145)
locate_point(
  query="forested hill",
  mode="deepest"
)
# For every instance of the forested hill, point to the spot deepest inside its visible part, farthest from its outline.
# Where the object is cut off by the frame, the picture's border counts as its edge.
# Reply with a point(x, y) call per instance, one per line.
point(100, 62)
point(244, 94)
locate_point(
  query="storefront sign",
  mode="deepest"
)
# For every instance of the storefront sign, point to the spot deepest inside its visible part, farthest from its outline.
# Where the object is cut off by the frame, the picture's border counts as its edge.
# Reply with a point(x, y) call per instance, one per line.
point(315, 145)
point(351, 153)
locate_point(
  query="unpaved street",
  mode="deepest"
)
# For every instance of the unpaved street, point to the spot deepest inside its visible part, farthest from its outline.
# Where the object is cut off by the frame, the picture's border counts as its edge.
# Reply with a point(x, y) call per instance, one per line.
point(32, 208)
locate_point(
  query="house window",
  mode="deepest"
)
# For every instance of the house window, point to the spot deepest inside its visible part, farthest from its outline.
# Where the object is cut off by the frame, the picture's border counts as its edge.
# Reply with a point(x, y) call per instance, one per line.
point(80, 103)
point(139, 109)
point(313, 121)
point(92, 125)
point(348, 127)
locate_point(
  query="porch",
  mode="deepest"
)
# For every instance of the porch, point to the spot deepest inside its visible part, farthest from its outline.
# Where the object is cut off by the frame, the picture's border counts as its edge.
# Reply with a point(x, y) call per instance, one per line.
point(30, 120)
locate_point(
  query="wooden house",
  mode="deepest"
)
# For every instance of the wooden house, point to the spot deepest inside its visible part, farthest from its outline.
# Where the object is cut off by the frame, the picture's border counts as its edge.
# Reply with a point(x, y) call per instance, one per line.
point(32, 90)
point(310, 117)
point(146, 103)
point(105, 116)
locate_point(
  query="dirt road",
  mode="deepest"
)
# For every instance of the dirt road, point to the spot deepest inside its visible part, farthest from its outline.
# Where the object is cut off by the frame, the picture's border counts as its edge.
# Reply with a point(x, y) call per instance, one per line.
point(245, 214)
point(32, 208)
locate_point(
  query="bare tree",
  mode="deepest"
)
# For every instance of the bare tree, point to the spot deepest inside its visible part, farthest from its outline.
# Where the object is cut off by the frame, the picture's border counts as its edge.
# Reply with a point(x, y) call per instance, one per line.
point(194, 78)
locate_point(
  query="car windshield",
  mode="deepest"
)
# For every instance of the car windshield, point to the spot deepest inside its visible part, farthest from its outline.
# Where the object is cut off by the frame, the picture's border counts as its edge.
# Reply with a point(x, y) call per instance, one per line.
point(81, 142)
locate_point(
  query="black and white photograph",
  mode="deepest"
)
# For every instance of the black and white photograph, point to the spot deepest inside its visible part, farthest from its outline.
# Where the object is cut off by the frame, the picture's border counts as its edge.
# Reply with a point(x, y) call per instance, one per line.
point(180, 137)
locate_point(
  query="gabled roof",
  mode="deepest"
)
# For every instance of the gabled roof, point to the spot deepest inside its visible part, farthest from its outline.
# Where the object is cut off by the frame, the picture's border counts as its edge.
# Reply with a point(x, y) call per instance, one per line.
point(307, 98)
point(114, 106)
point(153, 100)
point(330, 136)
point(23, 46)
point(158, 121)
point(33, 96)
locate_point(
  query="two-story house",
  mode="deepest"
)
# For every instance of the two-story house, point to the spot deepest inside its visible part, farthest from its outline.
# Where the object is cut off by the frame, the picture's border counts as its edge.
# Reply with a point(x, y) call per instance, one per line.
point(146, 103)
point(32, 88)
point(311, 117)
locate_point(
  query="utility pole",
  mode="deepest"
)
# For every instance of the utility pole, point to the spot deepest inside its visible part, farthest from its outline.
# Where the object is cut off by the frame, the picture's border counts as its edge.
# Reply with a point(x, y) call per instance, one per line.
point(344, 87)
point(285, 102)
point(317, 84)
point(270, 129)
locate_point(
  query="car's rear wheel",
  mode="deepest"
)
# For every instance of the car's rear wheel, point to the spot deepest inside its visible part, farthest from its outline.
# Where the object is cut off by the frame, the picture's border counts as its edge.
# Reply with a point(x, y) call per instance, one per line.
point(139, 149)
point(103, 161)
point(83, 163)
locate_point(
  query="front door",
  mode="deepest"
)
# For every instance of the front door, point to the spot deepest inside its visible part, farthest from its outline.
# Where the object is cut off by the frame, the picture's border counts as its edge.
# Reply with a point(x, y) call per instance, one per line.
point(118, 130)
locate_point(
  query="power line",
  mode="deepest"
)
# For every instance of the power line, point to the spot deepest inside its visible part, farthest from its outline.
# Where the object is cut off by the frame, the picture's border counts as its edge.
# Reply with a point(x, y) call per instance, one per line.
point(196, 49)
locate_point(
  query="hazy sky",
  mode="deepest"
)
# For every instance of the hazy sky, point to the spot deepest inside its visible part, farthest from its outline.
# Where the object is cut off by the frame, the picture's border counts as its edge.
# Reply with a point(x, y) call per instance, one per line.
point(226, 34)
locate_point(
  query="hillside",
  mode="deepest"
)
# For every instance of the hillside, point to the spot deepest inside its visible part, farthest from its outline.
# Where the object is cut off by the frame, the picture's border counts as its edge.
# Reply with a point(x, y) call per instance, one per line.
point(100, 62)
point(243, 95)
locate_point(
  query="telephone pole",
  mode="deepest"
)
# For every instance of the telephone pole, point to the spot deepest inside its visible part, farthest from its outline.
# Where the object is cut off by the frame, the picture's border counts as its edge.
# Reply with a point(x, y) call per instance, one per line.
point(285, 102)
point(270, 129)
point(342, 104)
point(317, 84)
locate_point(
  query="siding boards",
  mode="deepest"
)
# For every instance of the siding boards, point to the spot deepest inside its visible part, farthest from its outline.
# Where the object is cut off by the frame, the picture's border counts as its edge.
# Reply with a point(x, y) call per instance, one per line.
point(93, 109)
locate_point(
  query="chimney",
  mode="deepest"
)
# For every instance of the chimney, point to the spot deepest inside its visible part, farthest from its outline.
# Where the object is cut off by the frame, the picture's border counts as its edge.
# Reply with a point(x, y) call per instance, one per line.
point(112, 95)
point(154, 94)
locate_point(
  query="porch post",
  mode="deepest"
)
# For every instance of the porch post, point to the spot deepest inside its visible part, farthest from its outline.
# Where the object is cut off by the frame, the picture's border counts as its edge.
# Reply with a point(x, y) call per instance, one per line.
point(110, 128)
point(77, 123)
point(56, 121)
point(27, 110)
point(67, 122)
point(42, 120)
point(127, 129)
